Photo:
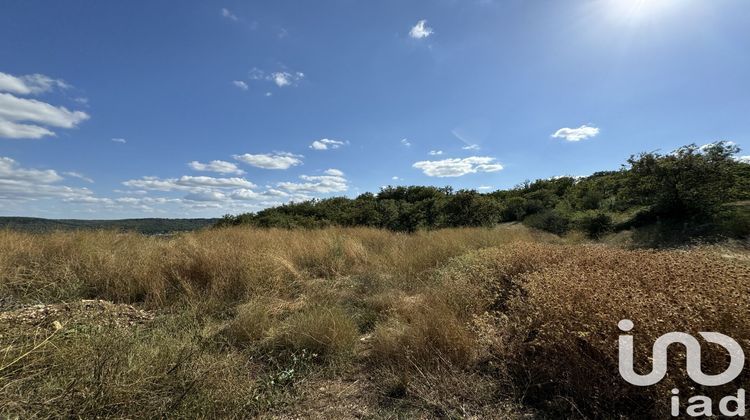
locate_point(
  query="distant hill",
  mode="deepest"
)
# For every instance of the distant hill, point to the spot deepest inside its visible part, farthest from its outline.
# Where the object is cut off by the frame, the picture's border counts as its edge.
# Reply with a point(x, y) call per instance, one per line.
point(150, 226)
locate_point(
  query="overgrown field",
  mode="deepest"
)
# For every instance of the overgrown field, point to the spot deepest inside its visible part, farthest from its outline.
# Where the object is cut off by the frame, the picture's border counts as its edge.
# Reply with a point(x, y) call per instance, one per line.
point(342, 323)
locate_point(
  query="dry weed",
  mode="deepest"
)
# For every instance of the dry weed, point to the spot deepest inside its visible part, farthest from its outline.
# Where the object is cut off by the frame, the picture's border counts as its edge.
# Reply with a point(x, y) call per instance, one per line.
point(456, 322)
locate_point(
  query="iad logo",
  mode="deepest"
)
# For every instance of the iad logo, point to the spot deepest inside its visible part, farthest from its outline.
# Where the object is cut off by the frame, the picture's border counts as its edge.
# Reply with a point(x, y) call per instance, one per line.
point(693, 349)
point(700, 405)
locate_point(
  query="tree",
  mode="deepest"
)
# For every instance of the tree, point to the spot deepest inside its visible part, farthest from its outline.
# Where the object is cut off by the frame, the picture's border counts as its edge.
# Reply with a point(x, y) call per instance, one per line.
point(550, 221)
point(514, 209)
point(469, 208)
point(691, 182)
point(596, 225)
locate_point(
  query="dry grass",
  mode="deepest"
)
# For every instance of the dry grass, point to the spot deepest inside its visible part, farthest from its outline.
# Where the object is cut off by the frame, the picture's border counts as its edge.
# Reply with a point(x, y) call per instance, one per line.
point(423, 333)
point(562, 328)
point(244, 322)
point(221, 267)
point(87, 371)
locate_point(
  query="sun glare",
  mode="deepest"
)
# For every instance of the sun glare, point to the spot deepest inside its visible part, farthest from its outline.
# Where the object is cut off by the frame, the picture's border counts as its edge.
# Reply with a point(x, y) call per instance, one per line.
point(636, 10)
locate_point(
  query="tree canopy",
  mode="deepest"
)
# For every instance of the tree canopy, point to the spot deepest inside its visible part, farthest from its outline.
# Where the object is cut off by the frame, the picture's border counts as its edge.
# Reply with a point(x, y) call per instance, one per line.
point(689, 186)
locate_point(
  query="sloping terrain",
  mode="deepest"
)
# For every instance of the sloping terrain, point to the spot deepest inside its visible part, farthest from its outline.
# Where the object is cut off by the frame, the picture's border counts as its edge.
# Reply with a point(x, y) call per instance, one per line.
point(348, 323)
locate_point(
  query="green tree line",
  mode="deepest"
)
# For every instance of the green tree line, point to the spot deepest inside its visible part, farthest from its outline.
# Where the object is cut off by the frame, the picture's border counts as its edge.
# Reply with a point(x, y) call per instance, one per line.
point(690, 192)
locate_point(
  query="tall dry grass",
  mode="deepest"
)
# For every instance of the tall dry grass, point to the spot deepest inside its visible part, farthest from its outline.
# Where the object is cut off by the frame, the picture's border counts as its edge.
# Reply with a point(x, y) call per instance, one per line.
point(541, 319)
point(221, 266)
point(451, 323)
point(561, 328)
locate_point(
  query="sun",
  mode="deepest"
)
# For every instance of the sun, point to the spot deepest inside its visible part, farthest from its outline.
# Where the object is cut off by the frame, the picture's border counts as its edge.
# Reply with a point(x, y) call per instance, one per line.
point(637, 10)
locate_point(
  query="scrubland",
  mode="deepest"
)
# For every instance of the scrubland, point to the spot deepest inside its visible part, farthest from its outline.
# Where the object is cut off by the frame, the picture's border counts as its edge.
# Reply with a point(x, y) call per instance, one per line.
point(340, 323)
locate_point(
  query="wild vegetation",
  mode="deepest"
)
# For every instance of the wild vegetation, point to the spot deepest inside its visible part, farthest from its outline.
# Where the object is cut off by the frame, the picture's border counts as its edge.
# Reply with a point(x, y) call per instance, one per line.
point(499, 322)
point(693, 192)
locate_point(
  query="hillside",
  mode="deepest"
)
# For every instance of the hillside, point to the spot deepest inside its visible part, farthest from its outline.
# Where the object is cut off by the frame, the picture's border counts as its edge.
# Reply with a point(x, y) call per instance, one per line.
point(149, 226)
point(344, 323)
point(690, 193)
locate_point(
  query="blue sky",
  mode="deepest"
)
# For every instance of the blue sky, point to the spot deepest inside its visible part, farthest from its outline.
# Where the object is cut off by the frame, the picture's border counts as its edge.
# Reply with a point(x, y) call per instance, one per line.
point(165, 109)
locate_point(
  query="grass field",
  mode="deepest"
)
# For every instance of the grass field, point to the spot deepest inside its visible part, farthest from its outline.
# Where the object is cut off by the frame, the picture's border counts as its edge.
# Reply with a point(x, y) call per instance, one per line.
point(341, 323)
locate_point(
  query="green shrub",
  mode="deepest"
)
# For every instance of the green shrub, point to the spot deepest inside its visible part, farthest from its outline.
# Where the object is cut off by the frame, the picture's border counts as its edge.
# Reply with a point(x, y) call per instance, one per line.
point(735, 222)
point(596, 225)
point(550, 221)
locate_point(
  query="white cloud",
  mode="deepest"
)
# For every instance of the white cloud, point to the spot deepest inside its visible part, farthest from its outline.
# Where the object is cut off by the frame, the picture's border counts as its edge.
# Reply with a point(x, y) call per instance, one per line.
point(240, 84)
point(405, 142)
point(13, 130)
point(257, 74)
point(268, 94)
point(32, 110)
point(218, 166)
point(458, 167)
point(704, 147)
point(146, 200)
point(187, 183)
point(86, 199)
point(576, 134)
point(215, 196)
point(280, 160)
point(471, 147)
point(420, 30)
point(152, 183)
point(573, 177)
point(22, 118)
point(207, 181)
point(333, 181)
point(281, 79)
point(743, 159)
point(276, 193)
point(196, 200)
point(10, 83)
point(263, 197)
point(22, 184)
point(79, 176)
point(484, 188)
point(31, 84)
point(435, 152)
point(246, 194)
point(395, 178)
point(229, 15)
point(25, 191)
point(200, 194)
point(284, 78)
point(333, 172)
point(141, 192)
point(27, 118)
point(10, 170)
point(119, 140)
point(325, 144)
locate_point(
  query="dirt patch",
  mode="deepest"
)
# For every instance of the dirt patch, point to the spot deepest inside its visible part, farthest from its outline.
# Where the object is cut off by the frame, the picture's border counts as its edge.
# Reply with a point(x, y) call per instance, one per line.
point(333, 398)
point(55, 315)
